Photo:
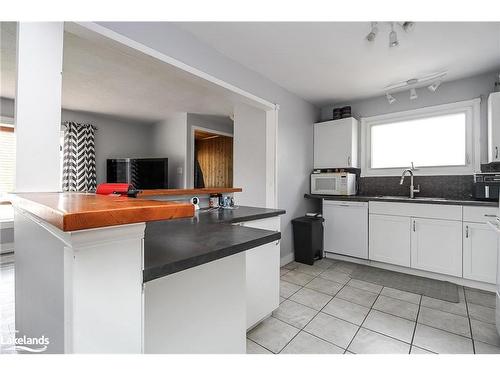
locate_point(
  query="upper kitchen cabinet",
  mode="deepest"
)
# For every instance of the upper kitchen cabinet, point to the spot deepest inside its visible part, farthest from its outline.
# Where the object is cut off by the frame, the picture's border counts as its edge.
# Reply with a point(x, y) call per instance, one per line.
point(494, 127)
point(336, 144)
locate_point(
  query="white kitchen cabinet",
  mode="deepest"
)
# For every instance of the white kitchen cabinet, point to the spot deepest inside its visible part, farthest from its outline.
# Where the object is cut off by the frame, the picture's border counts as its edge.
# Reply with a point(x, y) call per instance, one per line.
point(480, 252)
point(336, 144)
point(390, 239)
point(436, 245)
point(346, 228)
point(494, 127)
point(262, 274)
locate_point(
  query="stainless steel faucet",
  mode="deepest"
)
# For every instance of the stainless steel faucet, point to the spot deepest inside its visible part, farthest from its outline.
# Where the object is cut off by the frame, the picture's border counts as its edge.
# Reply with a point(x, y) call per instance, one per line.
point(412, 189)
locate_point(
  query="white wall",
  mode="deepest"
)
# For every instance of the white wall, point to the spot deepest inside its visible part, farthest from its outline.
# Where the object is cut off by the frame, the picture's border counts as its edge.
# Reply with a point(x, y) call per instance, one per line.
point(249, 158)
point(170, 140)
point(38, 105)
point(296, 116)
point(448, 92)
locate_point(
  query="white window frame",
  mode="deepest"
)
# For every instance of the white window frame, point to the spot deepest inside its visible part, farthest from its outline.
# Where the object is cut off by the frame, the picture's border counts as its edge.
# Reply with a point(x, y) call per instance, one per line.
point(471, 108)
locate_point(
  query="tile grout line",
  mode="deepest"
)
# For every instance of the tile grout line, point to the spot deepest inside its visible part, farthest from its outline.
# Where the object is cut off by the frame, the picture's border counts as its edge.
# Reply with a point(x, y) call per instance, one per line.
point(361, 325)
point(319, 311)
point(302, 329)
point(416, 322)
point(470, 324)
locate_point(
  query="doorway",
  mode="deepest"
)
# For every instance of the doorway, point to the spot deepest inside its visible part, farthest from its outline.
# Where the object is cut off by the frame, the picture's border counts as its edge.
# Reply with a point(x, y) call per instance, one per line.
point(213, 159)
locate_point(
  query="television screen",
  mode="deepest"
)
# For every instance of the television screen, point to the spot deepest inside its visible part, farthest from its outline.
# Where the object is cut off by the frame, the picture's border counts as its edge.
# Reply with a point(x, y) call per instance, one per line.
point(151, 173)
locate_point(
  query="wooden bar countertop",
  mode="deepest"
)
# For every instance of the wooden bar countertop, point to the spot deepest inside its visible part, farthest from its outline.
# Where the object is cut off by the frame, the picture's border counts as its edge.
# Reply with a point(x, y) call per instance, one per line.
point(76, 211)
point(202, 191)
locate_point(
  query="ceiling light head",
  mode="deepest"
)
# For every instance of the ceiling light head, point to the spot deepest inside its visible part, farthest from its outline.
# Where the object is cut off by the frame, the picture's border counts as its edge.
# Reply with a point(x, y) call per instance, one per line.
point(434, 86)
point(413, 94)
point(408, 26)
point(391, 99)
point(373, 32)
point(393, 37)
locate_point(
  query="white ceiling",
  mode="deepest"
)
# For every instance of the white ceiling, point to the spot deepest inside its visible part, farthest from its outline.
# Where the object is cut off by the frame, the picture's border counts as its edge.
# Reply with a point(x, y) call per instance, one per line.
point(103, 77)
point(331, 62)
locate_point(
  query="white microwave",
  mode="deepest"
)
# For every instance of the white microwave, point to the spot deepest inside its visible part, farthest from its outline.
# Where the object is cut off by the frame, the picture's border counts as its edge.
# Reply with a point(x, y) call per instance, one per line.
point(342, 183)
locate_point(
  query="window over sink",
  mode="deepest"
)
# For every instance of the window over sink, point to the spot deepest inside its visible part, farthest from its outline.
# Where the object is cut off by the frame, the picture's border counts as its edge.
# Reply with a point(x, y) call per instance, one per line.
point(441, 139)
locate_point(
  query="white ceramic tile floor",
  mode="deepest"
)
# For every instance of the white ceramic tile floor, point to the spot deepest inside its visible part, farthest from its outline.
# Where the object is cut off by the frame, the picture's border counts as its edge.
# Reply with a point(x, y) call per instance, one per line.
point(349, 316)
point(362, 318)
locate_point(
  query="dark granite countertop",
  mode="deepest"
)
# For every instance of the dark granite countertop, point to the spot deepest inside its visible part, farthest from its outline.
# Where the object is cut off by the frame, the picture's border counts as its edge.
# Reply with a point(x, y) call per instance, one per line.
point(383, 198)
point(174, 245)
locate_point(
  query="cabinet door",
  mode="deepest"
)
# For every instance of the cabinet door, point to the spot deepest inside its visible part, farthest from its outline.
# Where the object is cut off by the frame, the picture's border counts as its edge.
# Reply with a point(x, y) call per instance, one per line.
point(390, 239)
point(346, 228)
point(262, 274)
point(333, 144)
point(494, 127)
point(480, 252)
point(262, 281)
point(436, 245)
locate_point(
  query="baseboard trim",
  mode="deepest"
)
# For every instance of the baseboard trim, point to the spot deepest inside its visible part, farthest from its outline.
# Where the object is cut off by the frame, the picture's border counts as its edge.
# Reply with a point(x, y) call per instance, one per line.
point(287, 258)
point(411, 271)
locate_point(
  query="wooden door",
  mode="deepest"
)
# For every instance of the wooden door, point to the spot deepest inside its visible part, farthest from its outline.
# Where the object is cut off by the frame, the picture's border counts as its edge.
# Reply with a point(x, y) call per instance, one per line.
point(215, 156)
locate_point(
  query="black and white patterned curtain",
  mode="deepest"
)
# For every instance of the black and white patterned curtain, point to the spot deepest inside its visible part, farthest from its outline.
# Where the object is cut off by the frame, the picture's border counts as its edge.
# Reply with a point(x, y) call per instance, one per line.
point(79, 157)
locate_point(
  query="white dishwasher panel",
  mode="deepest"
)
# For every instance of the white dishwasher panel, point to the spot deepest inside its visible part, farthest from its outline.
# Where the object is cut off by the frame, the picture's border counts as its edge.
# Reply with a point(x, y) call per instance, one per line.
point(346, 228)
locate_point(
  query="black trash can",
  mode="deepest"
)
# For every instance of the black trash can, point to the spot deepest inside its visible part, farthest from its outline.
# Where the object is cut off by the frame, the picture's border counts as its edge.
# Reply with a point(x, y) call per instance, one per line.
point(308, 238)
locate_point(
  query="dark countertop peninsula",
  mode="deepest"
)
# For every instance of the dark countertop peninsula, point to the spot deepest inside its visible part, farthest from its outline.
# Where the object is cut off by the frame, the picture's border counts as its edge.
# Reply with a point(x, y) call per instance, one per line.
point(403, 199)
point(174, 245)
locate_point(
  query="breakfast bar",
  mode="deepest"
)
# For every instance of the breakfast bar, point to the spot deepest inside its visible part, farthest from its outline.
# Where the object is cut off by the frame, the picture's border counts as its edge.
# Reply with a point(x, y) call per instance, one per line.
point(108, 274)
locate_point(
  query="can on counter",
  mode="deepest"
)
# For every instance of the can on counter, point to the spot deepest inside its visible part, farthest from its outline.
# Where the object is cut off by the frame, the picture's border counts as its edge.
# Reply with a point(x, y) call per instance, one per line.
point(213, 201)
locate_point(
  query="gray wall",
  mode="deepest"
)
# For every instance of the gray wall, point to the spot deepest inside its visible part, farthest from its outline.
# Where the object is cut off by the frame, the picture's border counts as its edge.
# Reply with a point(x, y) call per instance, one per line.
point(296, 116)
point(114, 137)
point(170, 140)
point(216, 123)
point(250, 155)
point(448, 92)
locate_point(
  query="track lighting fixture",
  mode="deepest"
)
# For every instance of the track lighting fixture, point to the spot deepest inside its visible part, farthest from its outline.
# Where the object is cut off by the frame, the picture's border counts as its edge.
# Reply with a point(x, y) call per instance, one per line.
point(406, 26)
point(373, 32)
point(434, 86)
point(431, 81)
point(393, 37)
point(413, 94)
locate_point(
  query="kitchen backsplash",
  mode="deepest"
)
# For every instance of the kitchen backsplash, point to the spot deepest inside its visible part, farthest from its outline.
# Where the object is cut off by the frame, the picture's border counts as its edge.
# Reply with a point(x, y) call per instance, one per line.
point(451, 187)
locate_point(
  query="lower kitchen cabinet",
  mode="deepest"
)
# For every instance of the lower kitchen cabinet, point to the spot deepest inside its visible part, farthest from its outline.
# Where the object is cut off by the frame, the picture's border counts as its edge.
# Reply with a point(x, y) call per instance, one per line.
point(480, 252)
point(436, 246)
point(390, 239)
point(262, 274)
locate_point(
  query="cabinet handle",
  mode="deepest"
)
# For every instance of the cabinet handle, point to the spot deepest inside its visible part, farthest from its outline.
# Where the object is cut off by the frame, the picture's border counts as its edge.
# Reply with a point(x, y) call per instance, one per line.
point(278, 242)
point(466, 231)
point(414, 225)
point(490, 215)
point(496, 152)
point(349, 160)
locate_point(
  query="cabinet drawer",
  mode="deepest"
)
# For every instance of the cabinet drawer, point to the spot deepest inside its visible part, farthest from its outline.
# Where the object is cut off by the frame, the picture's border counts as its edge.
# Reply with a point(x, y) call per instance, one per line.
point(431, 211)
point(480, 214)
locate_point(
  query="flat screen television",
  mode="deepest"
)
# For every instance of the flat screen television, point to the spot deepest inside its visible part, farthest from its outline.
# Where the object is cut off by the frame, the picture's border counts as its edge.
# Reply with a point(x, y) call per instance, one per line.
point(150, 173)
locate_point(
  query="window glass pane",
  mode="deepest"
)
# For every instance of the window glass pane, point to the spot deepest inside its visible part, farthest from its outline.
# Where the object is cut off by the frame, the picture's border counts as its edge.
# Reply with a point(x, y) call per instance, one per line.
point(432, 141)
point(7, 158)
